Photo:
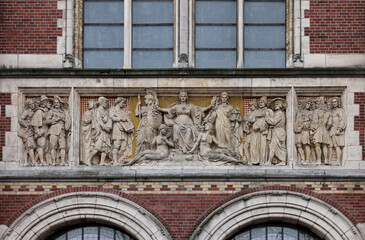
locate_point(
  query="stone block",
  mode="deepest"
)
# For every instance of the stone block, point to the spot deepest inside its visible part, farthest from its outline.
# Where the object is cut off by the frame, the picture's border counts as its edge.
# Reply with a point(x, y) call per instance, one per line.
point(354, 153)
point(11, 110)
point(61, 5)
point(314, 60)
point(9, 60)
point(352, 138)
point(11, 139)
point(10, 154)
point(345, 60)
point(353, 110)
point(40, 61)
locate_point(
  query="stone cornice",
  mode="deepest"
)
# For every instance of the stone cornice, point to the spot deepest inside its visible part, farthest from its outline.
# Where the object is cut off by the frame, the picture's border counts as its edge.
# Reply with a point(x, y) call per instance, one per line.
point(185, 73)
point(101, 174)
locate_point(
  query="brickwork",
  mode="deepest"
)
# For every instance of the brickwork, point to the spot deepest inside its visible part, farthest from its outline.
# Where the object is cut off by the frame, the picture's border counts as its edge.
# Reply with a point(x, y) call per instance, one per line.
point(181, 206)
point(5, 99)
point(29, 27)
point(360, 120)
point(336, 26)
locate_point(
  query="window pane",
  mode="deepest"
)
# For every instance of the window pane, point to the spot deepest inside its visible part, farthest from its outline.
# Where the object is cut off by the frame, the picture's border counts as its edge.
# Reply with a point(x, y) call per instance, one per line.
point(264, 37)
point(215, 12)
point(274, 233)
point(258, 233)
point(215, 59)
point(264, 12)
point(103, 36)
point(153, 37)
point(152, 59)
point(103, 59)
point(75, 234)
point(62, 237)
point(215, 37)
point(103, 12)
point(106, 233)
point(243, 236)
point(290, 234)
point(91, 233)
point(264, 59)
point(153, 12)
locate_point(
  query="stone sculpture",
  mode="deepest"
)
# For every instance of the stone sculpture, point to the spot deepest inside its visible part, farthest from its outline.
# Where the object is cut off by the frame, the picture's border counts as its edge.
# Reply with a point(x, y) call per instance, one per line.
point(26, 133)
point(277, 136)
point(251, 142)
point(122, 132)
point(60, 123)
point(101, 126)
point(149, 121)
point(86, 127)
point(160, 145)
point(204, 144)
point(337, 125)
point(184, 118)
point(302, 129)
point(228, 125)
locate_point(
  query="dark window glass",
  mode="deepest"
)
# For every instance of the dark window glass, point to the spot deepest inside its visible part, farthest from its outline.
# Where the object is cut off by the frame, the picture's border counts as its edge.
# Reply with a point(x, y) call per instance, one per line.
point(152, 33)
point(264, 33)
point(215, 33)
point(103, 34)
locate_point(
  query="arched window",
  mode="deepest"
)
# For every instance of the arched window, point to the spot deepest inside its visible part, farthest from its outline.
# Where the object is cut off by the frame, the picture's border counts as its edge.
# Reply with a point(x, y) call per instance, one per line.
point(91, 232)
point(274, 232)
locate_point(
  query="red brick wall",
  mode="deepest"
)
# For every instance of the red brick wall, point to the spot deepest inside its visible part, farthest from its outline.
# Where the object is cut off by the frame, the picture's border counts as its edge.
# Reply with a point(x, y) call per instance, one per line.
point(182, 212)
point(5, 99)
point(29, 26)
point(336, 26)
point(360, 120)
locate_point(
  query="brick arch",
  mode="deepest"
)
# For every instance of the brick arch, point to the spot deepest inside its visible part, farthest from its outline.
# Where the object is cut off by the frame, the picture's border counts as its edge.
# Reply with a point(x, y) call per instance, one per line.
point(275, 203)
point(53, 211)
point(331, 202)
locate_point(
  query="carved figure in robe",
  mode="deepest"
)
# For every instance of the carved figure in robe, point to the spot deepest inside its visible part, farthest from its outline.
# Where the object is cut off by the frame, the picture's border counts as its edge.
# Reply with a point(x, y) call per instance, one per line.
point(160, 144)
point(302, 129)
point(123, 129)
point(60, 123)
point(321, 137)
point(149, 121)
point(260, 126)
point(210, 149)
point(26, 133)
point(337, 123)
point(277, 144)
point(228, 124)
point(101, 127)
point(251, 144)
point(184, 118)
point(86, 128)
point(40, 125)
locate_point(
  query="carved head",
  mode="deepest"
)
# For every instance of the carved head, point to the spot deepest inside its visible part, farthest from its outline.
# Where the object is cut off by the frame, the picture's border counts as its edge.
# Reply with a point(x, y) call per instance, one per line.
point(209, 128)
point(29, 104)
point(163, 129)
point(224, 97)
point(263, 102)
point(335, 102)
point(120, 100)
point(45, 102)
point(91, 104)
point(102, 101)
point(277, 104)
point(149, 99)
point(183, 96)
point(253, 105)
point(57, 102)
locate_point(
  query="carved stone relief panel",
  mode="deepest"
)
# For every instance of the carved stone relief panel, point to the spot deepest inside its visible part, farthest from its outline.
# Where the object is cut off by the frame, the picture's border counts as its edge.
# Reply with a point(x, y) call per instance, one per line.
point(45, 131)
point(319, 129)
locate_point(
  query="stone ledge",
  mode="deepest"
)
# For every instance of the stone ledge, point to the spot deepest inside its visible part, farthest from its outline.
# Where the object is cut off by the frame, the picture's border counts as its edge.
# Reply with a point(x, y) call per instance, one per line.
point(226, 73)
point(106, 174)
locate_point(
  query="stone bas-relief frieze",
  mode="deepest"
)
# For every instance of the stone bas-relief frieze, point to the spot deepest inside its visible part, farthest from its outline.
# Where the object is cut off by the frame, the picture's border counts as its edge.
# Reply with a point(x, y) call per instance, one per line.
point(320, 131)
point(184, 133)
point(44, 127)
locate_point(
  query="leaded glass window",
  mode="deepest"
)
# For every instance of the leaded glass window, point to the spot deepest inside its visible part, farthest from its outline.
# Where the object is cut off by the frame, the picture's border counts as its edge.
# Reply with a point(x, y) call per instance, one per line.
point(264, 33)
point(91, 233)
point(275, 232)
point(103, 33)
point(153, 33)
point(215, 33)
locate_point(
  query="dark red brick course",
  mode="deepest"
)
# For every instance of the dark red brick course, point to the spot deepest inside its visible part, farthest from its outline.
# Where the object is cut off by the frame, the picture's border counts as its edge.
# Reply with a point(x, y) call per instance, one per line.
point(29, 26)
point(336, 26)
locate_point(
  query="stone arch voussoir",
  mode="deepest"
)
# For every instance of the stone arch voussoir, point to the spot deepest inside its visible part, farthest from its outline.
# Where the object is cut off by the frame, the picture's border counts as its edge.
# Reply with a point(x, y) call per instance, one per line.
point(64, 210)
point(276, 205)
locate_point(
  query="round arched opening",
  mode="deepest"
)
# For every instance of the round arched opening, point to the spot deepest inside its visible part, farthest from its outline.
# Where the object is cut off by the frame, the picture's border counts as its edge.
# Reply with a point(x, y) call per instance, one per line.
point(274, 231)
point(91, 231)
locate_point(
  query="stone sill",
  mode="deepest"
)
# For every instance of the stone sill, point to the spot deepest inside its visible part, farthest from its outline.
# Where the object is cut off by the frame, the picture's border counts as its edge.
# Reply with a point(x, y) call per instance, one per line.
point(105, 174)
point(200, 73)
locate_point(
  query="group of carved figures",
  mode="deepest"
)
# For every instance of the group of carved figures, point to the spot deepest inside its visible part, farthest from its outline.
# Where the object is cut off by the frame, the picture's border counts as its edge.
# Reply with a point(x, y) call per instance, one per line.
point(183, 131)
point(320, 131)
point(186, 131)
point(45, 131)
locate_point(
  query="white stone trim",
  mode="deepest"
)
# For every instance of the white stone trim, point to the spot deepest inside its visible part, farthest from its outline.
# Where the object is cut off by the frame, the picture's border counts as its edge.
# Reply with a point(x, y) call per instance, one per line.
point(65, 210)
point(296, 208)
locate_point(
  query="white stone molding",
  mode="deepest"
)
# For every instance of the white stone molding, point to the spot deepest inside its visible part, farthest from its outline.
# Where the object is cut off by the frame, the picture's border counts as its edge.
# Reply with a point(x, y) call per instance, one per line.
point(62, 211)
point(280, 206)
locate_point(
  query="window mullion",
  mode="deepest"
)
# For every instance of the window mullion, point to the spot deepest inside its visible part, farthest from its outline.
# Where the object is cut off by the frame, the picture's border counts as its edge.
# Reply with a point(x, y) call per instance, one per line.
point(240, 23)
point(127, 34)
